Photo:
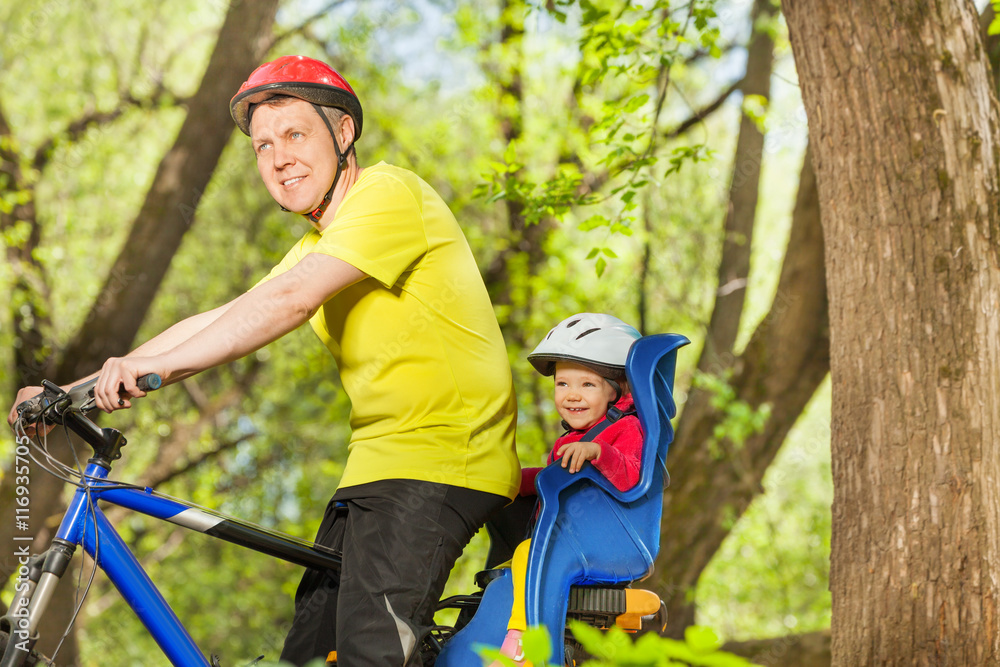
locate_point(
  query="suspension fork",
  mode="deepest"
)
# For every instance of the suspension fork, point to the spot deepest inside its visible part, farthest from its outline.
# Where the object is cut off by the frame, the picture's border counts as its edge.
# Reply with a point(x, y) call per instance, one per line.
point(32, 594)
point(40, 574)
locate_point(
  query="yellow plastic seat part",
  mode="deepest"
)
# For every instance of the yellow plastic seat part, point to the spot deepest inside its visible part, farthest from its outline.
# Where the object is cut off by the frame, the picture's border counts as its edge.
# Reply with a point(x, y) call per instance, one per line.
point(638, 603)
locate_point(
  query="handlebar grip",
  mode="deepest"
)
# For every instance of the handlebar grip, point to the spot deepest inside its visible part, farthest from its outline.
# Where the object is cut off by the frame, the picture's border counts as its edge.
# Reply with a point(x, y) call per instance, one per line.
point(150, 382)
point(81, 393)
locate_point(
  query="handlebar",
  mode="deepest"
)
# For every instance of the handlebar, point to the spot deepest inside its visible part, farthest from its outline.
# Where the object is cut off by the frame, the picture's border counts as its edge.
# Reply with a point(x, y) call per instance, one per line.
point(53, 402)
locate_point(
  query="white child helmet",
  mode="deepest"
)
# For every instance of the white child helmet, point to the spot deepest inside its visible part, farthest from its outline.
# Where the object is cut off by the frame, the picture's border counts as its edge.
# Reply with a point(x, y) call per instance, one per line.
point(597, 341)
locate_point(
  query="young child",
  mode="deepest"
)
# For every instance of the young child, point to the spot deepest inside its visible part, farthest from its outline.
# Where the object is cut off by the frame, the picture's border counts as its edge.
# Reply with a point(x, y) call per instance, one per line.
point(586, 353)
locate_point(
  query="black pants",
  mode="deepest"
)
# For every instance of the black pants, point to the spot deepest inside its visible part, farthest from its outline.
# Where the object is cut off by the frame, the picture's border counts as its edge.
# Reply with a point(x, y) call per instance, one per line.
point(399, 540)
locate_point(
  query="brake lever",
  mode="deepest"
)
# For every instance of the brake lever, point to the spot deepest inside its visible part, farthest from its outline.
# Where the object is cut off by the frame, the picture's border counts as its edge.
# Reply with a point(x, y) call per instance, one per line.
point(36, 408)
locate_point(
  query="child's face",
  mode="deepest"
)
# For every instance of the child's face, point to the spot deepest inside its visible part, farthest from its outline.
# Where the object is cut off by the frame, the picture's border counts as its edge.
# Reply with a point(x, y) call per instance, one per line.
point(582, 396)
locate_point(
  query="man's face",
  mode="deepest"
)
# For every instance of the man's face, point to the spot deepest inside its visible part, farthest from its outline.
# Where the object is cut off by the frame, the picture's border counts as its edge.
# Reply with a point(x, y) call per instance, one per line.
point(295, 154)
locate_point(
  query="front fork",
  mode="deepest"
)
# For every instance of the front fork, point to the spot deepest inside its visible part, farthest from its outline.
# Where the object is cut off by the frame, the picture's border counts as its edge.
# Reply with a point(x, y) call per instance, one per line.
point(32, 595)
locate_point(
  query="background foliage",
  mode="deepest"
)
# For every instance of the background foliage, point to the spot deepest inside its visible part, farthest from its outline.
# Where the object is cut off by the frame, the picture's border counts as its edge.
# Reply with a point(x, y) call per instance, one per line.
point(591, 165)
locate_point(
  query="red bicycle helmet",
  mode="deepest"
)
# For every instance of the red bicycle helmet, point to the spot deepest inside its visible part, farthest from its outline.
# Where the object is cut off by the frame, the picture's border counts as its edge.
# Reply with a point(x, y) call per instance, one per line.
point(297, 76)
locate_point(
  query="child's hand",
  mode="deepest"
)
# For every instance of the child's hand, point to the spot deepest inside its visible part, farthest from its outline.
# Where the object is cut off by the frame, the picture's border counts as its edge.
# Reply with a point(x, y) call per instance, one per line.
point(575, 454)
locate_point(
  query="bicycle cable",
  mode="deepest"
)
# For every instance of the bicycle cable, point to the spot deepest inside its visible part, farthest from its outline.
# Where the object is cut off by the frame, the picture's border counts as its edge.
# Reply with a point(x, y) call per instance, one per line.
point(37, 446)
point(43, 447)
point(69, 475)
point(76, 476)
point(92, 509)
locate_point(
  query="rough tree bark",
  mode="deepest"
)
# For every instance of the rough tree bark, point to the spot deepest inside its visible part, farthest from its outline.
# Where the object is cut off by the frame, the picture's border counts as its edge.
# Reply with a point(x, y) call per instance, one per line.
point(992, 45)
point(903, 119)
point(156, 234)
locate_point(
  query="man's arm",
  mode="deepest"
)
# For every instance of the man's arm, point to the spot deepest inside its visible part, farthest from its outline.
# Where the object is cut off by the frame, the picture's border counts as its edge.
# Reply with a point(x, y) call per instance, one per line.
point(246, 324)
point(180, 332)
point(163, 342)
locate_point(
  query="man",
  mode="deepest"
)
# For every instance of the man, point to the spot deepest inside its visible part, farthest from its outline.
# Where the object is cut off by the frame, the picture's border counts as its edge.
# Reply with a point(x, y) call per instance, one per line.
point(388, 283)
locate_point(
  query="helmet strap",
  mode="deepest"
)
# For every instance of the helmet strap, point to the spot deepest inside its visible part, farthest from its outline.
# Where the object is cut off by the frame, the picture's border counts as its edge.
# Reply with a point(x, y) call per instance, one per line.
point(315, 215)
point(618, 391)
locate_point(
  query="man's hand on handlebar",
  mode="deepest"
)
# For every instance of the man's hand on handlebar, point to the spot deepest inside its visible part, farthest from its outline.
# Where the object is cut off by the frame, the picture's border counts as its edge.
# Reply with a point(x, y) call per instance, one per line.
point(117, 381)
point(22, 395)
point(51, 404)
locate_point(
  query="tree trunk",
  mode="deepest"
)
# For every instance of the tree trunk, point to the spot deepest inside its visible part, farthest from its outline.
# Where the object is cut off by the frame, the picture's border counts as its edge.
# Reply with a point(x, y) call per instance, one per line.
point(29, 294)
point(509, 276)
point(992, 45)
point(903, 121)
point(784, 363)
point(734, 269)
point(168, 210)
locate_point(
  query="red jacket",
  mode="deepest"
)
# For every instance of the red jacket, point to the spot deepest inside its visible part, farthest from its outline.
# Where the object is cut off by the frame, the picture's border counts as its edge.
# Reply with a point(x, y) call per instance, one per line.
point(621, 452)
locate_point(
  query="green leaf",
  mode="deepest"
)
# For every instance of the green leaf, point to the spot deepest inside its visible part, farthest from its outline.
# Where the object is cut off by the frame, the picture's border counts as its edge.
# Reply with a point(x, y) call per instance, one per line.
point(510, 153)
point(601, 265)
point(701, 639)
point(590, 638)
point(635, 103)
point(755, 108)
point(593, 222)
point(537, 645)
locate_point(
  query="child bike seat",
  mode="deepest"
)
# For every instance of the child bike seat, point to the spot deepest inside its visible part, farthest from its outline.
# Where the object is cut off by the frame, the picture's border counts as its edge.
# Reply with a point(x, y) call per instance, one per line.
point(590, 533)
point(587, 532)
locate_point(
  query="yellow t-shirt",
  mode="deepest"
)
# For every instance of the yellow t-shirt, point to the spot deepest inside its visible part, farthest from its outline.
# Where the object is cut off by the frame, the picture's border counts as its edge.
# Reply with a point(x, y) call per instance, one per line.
point(417, 344)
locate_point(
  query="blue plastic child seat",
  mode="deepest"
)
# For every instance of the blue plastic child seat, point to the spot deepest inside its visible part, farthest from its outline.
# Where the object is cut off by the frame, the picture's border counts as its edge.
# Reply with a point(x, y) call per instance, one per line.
point(589, 532)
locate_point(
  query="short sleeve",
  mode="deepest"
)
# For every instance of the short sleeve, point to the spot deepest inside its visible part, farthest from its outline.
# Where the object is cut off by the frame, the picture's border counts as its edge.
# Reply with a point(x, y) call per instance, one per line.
point(378, 229)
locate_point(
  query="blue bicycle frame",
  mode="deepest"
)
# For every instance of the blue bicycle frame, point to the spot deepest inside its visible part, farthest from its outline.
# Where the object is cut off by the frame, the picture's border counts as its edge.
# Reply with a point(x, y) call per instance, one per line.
point(85, 524)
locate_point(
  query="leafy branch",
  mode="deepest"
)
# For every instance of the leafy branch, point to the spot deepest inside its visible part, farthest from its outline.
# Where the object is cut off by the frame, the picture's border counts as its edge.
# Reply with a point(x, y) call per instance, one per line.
point(627, 55)
point(739, 420)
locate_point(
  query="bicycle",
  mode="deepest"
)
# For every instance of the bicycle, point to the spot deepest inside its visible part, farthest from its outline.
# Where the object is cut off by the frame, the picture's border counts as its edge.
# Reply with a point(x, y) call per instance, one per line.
point(482, 618)
point(85, 524)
